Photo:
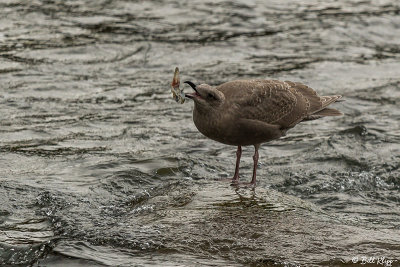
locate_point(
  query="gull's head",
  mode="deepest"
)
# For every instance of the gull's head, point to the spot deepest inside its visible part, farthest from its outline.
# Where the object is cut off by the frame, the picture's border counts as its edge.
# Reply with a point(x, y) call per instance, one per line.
point(205, 96)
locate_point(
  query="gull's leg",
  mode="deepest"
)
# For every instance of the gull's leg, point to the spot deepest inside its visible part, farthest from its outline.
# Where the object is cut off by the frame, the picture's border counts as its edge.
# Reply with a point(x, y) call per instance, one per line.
point(255, 159)
point(235, 178)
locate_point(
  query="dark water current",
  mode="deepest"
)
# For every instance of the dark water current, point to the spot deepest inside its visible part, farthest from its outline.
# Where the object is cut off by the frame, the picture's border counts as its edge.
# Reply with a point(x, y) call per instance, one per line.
point(99, 167)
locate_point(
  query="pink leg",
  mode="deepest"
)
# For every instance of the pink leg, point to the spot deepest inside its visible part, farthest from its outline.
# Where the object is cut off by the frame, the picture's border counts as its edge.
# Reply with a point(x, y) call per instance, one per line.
point(235, 178)
point(255, 159)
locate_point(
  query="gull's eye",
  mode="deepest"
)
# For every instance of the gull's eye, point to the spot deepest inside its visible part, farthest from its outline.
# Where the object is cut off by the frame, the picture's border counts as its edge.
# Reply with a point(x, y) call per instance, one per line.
point(210, 95)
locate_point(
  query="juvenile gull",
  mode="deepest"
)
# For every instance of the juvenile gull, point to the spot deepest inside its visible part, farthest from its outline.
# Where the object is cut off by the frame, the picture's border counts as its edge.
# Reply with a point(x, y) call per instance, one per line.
point(252, 112)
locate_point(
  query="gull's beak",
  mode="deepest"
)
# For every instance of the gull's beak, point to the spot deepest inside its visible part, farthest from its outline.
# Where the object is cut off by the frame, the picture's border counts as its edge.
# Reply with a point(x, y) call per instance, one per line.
point(192, 95)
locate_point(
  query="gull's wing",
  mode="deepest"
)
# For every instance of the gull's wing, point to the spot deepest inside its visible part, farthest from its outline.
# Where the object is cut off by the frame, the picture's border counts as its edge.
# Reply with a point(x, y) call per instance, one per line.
point(275, 102)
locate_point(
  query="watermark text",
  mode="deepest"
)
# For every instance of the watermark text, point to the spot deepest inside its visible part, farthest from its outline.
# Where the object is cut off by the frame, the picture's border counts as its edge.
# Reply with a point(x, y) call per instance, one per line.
point(379, 261)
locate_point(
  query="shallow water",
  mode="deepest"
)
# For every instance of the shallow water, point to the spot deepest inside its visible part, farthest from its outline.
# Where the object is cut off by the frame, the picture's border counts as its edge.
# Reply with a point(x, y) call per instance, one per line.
point(99, 166)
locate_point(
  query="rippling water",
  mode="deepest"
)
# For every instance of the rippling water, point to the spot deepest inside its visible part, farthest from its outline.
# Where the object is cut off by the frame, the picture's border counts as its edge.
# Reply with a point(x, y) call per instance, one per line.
point(99, 166)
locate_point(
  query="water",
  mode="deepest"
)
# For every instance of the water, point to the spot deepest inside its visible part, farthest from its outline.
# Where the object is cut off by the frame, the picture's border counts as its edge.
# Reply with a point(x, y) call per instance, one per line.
point(99, 167)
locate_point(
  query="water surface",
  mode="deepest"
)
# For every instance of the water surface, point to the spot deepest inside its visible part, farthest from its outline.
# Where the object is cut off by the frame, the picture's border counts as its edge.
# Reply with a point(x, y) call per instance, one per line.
point(100, 167)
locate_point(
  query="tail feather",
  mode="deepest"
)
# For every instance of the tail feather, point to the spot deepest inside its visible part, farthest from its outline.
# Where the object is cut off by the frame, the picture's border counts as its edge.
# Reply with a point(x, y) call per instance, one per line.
point(323, 113)
point(328, 112)
point(317, 106)
point(327, 100)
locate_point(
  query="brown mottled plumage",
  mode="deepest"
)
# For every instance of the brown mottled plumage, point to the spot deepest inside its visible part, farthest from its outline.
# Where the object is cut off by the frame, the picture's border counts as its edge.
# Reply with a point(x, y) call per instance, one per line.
point(252, 112)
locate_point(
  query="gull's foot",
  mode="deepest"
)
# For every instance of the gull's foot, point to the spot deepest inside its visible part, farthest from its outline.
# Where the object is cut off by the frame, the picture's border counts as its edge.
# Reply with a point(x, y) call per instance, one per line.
point(235, 182)
point(231, 180)
point(243, 185)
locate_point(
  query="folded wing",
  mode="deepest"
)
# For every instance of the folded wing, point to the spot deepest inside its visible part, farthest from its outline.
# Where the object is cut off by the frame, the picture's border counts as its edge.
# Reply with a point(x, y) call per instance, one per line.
point(276, 102)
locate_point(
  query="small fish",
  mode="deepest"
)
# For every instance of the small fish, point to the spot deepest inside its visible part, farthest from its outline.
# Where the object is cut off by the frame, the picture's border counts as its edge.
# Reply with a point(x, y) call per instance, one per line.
point(177, 93)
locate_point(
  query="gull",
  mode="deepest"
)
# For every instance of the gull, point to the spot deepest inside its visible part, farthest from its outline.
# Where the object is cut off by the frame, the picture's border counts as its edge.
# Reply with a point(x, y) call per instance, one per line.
point(252, 112)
